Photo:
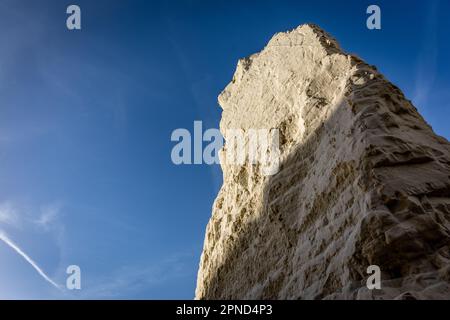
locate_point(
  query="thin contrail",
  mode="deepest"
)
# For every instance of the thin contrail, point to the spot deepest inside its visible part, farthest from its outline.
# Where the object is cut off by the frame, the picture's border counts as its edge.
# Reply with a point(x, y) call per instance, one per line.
point(10, 243)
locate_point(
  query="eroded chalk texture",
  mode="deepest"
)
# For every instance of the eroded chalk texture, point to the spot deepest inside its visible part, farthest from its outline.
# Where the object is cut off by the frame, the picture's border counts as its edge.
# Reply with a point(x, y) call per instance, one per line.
point(363, 181)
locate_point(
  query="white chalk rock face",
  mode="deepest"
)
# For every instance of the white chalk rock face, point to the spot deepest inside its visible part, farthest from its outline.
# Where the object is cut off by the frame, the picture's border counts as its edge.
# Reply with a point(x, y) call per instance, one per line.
point(363, 180)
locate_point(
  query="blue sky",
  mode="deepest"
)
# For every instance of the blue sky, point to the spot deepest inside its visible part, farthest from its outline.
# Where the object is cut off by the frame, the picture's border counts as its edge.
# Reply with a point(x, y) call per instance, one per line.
point(86, 117)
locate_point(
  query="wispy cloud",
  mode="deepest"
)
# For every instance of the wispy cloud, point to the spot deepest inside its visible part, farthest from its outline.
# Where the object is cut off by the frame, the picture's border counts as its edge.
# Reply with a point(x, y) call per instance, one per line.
point(12, 245)
point(8, 214)
point(48, 216)
point(129, 281)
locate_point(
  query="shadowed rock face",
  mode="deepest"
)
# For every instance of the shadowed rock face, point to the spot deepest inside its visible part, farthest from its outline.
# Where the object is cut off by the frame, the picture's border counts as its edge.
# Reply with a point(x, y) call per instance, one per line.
point(363, 181)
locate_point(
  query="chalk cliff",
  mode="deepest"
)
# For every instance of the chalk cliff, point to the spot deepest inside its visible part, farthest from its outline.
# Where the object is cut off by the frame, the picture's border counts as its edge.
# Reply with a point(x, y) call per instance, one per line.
point(363, 181)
